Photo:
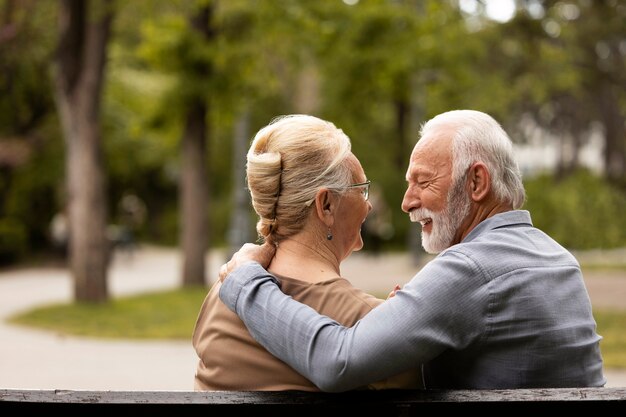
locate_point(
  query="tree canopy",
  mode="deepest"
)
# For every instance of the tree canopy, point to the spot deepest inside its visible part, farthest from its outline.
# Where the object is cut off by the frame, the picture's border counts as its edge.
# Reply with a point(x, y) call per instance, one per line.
point(376, 68)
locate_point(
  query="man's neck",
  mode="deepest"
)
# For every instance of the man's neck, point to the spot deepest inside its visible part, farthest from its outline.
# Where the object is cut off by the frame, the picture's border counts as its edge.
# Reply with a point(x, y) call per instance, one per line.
point(483, 212)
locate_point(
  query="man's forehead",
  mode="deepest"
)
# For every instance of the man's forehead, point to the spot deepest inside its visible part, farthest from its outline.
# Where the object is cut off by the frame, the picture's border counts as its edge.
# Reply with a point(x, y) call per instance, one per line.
point(433, 150)
point(435, 144)
point(438, 135)
point(420, 163)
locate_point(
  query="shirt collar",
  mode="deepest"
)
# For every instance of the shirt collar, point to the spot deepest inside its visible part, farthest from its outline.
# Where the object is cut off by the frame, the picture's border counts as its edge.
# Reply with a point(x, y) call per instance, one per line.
point(506, 219)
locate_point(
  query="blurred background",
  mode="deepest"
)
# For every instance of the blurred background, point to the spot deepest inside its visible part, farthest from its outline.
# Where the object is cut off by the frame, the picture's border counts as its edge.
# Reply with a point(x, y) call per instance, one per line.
point(126, 122)
point(124, 128)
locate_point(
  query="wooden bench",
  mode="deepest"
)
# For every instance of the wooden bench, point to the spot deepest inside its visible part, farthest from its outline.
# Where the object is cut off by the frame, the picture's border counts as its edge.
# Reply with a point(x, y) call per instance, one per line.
point(297, 403)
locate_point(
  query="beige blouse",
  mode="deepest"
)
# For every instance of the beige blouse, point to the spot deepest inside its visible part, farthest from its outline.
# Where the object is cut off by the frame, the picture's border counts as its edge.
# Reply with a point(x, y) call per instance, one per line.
point(231, 360)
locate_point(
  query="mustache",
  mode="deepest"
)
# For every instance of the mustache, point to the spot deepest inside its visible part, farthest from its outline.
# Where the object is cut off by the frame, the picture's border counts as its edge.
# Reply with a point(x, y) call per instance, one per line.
point(418, 214)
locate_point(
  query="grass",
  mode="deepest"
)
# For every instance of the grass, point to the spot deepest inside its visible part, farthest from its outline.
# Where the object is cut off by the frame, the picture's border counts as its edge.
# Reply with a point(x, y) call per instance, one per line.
point(172, 315)
point(159, 315)
point(611, 325)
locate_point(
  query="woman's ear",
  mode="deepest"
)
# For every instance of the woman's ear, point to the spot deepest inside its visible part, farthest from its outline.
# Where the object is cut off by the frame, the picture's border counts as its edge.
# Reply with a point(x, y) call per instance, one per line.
point(479, 181)
point(325, 206)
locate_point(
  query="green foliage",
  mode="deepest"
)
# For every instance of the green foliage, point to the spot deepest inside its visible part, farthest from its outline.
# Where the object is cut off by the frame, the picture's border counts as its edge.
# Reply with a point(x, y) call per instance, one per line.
point(377, 69)
point(25, 48)
point(30, 166)
point(132, 128)
point(13, 240)
point(30, 194)
point(580, 212)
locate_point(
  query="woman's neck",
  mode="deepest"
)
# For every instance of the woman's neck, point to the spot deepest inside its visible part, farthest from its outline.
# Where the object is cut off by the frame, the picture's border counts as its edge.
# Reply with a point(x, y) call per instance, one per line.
point(305, 259)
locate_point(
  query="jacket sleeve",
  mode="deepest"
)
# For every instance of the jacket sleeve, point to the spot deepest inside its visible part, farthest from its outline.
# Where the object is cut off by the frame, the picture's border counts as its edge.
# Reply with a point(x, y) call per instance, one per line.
point(403, 332)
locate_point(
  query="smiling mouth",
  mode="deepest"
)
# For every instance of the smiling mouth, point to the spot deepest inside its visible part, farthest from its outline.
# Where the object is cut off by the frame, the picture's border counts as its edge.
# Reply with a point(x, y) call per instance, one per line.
point(424, 222)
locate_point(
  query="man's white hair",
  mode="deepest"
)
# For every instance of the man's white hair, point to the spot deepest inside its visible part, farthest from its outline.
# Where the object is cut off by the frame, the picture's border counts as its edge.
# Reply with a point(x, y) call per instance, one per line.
point(479, 137)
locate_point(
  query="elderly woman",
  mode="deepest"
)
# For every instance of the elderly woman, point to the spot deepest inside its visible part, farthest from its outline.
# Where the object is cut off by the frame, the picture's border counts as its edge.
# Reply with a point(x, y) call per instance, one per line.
point(311, 195)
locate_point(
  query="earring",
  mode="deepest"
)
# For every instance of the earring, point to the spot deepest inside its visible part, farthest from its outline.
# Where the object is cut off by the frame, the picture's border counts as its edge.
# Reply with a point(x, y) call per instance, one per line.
point(329, 235)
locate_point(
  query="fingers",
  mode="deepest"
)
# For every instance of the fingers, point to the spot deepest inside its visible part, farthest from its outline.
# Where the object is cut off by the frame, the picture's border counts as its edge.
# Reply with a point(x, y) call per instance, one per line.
point(249, 252)
point(393, 292)
point(223, 272)
point(266, 253)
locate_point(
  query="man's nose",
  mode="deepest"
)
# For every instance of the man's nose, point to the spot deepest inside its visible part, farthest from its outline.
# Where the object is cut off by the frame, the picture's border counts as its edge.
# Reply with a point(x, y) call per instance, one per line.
point(410, 200)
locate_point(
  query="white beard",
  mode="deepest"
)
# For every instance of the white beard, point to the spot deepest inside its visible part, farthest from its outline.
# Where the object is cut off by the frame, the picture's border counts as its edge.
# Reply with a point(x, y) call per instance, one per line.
point(445, 223)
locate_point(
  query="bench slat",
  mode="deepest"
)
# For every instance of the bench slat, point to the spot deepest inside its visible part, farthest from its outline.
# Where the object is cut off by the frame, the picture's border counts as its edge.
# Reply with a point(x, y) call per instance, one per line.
point(295, 398)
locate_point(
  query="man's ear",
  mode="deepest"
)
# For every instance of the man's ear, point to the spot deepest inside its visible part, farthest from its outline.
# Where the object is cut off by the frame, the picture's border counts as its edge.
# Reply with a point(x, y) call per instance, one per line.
point(325, 206)
point(479, 181)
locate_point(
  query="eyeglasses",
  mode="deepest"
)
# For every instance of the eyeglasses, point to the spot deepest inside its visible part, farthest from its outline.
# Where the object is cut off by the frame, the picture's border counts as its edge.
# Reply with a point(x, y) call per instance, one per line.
point(365, 191)
point(365, 186)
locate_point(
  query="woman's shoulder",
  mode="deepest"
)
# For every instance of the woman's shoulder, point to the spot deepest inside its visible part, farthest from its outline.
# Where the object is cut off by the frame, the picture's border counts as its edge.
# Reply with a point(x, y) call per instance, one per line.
point(335, 285)
point(336, 298)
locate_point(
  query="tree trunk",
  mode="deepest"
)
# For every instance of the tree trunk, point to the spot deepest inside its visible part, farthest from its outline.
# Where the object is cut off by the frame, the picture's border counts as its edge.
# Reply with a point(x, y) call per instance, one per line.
point(403, 113)
point(569, 142)
point(194, 184)
point(193, 196)
point(84, 33)
point(239, 230)
point(615, 134)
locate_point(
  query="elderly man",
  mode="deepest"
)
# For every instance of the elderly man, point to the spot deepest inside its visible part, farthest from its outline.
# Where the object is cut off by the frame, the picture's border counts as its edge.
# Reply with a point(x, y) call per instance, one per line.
point(502, 306)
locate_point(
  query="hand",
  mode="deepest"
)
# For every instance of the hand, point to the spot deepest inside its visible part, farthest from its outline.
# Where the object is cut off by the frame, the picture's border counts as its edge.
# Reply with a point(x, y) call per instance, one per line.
point(249, 252)
point(393, 292)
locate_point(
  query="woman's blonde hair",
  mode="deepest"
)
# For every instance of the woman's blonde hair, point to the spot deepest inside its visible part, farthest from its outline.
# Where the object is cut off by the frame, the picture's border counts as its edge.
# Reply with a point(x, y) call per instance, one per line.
point(288, 162)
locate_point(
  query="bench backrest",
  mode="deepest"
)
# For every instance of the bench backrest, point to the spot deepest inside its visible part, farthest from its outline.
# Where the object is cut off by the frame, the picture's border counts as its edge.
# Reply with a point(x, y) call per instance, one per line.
point(298, 403)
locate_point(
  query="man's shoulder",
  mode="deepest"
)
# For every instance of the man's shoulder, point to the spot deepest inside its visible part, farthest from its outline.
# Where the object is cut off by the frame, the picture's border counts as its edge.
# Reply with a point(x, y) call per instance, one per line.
point(499, 251)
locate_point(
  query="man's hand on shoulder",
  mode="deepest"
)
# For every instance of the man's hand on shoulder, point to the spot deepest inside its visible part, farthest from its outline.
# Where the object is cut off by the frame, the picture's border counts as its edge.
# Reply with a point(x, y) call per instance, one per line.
point(249, 252)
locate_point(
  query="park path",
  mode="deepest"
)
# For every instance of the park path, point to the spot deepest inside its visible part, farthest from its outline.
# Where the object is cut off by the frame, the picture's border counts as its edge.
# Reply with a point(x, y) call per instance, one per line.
point(36, 359)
